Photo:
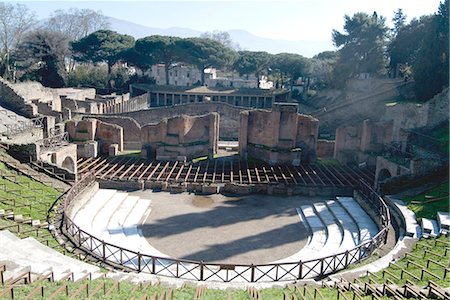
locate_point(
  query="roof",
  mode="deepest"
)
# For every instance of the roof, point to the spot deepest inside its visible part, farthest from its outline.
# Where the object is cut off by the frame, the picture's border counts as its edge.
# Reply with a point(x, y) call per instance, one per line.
point(204, 90)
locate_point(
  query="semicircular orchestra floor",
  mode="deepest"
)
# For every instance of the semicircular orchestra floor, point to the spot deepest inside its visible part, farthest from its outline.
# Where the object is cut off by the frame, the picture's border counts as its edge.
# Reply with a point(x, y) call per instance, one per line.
point(216, 228)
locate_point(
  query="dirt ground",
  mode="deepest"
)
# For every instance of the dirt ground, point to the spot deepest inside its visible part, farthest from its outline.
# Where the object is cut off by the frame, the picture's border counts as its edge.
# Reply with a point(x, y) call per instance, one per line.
point(216, 228)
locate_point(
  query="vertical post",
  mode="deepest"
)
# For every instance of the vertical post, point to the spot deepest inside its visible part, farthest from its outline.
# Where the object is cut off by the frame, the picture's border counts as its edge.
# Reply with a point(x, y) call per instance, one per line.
point(252, 276)
point(300, 269)
point(201, 270)
point(139, 262)
point(104, 250)
point(153, 265)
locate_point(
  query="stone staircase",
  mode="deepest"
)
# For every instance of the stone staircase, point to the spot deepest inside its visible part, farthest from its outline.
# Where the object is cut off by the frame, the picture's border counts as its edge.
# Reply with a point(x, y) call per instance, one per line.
point(114, 217)
point(335, 226)
point(29, 255)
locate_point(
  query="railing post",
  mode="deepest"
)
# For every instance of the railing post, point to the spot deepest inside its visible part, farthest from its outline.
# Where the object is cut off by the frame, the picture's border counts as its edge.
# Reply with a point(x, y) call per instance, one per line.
point(300, 269)
point(346, 258)
point(104, 250)
point(153, 265)
point(139, 262)
point(252, 276)
point(201, 270)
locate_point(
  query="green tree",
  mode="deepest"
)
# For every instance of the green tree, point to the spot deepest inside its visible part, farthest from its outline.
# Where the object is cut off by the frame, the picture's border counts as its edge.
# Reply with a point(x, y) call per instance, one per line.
point(205, 53)
point(422, 48)
point(431, 68)
point(405, 45)
point(321, 68)
point(362, 46)
point(293, 65)
point(158, 49)
point(102, 46)
point(41, 54)
point(251, 62)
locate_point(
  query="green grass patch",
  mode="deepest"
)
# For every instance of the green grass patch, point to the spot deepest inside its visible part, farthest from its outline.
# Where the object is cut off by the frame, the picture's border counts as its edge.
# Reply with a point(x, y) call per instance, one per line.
point(131, 153)
point(327, 162)
point(427, 204)
point(425, 255)
point(25, 195)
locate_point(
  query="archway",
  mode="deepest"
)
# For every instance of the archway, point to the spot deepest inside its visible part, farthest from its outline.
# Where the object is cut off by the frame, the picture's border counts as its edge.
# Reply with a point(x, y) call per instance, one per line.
point(68, 164)
point(383, 175)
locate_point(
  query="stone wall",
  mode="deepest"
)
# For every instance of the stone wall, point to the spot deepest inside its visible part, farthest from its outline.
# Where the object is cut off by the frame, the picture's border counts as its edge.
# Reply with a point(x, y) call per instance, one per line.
point(182, 136)
point(278, 136)
point(10, 99)
point(386, 169)
point(109, 134)
point(90, 129)
point(64, 157)
point(325, 149)
point(356, 144)
point(229, 115)
point(131, 130)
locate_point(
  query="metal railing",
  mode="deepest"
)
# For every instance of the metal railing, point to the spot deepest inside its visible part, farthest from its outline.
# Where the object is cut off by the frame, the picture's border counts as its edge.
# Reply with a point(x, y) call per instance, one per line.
point(200, 271)
point(20, 127)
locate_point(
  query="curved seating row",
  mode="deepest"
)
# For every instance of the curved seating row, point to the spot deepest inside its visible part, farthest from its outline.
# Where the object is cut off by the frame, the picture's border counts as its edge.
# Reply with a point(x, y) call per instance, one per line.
point(334, 226)
point(30, 255)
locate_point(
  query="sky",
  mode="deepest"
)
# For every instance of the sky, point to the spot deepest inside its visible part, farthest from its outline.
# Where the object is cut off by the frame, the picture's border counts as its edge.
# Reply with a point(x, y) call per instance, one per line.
point(307, 20)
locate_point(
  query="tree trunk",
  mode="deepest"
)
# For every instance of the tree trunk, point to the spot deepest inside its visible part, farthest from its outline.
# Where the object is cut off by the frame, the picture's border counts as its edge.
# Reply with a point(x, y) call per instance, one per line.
point(109, 76)
point(203, 75)
point(257, 79)
point(166, 70)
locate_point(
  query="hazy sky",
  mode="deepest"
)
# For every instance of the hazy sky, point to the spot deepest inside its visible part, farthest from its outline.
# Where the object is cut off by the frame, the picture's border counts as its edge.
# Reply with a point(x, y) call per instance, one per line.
point(294, 20)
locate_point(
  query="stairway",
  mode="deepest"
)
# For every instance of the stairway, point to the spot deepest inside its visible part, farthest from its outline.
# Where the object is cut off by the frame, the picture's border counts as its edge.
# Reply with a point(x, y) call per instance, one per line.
point(28, 254)
point(334, 226)
point(114, 217)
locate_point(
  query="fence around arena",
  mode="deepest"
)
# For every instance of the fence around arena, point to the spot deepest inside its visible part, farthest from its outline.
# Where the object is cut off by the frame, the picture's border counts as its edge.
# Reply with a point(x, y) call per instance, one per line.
point(201, 271)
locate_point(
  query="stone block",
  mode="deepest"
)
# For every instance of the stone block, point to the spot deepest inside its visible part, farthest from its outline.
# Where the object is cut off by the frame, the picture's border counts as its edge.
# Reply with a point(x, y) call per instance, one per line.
point(89, 149)
point(210, 189)
point(113, 150)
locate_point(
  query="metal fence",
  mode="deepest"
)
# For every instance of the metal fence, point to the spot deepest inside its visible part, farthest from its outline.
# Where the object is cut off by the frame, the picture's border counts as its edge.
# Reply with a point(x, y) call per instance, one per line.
point(200, 271)
point(24, 126)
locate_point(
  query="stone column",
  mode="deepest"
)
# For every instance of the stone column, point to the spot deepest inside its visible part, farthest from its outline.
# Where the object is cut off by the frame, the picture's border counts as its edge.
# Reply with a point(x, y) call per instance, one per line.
point(243, 134)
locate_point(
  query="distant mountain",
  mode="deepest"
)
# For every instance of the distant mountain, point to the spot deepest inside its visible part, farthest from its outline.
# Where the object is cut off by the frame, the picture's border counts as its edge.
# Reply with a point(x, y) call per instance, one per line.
point(245, 39)
point(139, 31)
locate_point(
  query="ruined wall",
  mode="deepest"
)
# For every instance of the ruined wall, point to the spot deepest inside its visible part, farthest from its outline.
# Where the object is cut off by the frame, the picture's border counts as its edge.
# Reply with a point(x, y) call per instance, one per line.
point(109, 134)
point(325, 148)
point(278, 136)
point(10, 99)
point(91, 129)
point(354, 144)
point(386, 169)
point(229, 115)
point(131, 130)
point(182, 136)
point(80, 106)
point(64, 157)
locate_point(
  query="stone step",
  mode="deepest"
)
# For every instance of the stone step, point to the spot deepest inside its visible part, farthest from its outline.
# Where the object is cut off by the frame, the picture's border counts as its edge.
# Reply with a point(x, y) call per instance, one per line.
point(430, 228)
point(443, 219)
point(351, 230)
point(334, 233)
point(29, 253)
point(102, 217)
point(367, 227)
point(83, 218)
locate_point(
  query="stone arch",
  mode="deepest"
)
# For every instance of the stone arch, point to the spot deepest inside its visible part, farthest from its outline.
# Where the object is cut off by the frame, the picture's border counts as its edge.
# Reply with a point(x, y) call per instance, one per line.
point(384, 174)
point(68, 164)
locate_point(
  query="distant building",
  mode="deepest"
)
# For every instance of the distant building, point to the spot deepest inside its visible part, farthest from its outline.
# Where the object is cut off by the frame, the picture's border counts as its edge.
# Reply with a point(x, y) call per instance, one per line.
point(185, 75)
point(163, 95)
point(180, 75)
